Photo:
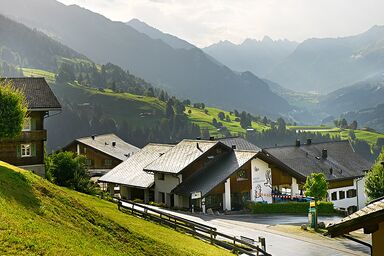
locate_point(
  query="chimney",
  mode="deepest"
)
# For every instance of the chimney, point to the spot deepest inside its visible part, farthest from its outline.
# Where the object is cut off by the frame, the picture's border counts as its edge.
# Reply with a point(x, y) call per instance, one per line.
point(233, 146)
point(93, 137)
point(211, 138)
point(113, 143)
point(297, 143)
point(324, 153)
point(309, 141)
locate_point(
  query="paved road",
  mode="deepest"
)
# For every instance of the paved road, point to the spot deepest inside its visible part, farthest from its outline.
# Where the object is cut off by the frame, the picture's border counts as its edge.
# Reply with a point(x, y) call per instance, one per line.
point(279, 243)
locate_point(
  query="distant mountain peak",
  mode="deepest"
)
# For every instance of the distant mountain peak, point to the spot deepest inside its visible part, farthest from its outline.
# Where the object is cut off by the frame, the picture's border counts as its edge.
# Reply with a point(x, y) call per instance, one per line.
point(267, 39)
point(155, 33)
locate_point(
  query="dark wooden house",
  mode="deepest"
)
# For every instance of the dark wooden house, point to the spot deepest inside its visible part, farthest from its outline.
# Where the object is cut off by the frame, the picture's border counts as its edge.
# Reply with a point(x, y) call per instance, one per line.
point(103, 152)
point(27, 150)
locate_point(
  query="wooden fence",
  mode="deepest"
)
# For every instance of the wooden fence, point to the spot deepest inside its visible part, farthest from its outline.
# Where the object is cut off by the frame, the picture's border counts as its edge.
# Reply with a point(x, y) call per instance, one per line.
point(243, 244)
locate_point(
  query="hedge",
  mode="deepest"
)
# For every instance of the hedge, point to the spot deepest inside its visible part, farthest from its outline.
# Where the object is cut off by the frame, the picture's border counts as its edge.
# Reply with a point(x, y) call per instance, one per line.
point(323, 208)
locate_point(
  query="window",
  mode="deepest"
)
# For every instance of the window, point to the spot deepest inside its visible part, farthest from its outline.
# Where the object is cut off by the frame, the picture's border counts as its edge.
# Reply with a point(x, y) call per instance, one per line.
point(341, 195)
point(162, 197)
point(160, 176)
point(107, 162)
point(334, 196)
point(242, 175)
point(27, 124)
point(89, 162)
point(351, 193)
point(26, 150)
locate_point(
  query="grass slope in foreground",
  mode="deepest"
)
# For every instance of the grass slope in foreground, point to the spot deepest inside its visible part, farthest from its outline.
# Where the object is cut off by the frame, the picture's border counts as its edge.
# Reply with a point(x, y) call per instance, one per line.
point(40, 218)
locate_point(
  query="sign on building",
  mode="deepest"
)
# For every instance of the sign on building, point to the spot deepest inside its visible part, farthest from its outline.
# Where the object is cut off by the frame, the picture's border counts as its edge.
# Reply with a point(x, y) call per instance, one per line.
point(195, 195)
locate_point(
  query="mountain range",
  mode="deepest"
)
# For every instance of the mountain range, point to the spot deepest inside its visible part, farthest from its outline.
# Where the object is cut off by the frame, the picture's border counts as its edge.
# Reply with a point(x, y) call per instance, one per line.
point(318, 64)
point(187, 73)
point(259, 57)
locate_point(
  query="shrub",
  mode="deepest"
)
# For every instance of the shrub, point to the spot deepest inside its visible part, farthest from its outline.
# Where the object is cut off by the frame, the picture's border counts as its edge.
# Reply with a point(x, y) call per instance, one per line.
point(138, 201)
point(68, 169)
point(323, 208)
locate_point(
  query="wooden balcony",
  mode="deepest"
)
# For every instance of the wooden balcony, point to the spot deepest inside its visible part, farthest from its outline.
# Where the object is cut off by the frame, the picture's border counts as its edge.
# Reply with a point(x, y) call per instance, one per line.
point(38, 135)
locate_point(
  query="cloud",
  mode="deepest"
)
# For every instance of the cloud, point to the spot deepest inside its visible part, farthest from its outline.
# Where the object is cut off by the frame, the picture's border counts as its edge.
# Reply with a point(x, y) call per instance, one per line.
point(208, 21)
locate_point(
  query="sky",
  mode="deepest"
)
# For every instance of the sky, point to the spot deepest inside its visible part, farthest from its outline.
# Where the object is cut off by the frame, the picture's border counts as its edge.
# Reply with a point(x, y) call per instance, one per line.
point(204, 22)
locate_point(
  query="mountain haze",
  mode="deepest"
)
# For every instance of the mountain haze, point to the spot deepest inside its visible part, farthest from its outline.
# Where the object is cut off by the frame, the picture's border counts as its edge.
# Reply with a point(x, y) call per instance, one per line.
point(23, 47)
point(365, 94)
point(154, 33)
point(259, 57)
point(187, 73)
point(324, 65)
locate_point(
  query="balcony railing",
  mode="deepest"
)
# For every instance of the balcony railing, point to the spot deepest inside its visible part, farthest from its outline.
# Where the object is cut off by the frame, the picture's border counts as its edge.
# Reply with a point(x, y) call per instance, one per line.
point(37, 135)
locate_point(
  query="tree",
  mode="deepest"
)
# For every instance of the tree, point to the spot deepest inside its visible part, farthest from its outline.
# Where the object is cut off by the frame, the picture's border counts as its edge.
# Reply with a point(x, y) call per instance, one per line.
point(316, 186)
point(221, 115)
point(374, 181)
point(214, 122)
point(343, 123)
point(13, 110)
point(353, 125)
point(281, 126)
point(265, 120)
point(169, 112)
point(69, 170)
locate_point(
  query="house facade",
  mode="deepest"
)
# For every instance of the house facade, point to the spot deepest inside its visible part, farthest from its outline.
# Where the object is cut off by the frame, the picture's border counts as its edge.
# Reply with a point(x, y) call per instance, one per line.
point(27, 150)
point(204, 174)
point(133, 181)
point(103, 152)
point(343, 168)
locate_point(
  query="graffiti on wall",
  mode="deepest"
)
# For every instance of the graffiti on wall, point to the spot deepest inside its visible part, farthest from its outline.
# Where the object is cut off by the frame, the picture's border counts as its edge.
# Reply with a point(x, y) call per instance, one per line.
point(261, 184)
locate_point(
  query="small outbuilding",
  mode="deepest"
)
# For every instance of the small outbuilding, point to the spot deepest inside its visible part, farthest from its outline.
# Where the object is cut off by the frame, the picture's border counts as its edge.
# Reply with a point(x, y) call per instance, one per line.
point(369, 218)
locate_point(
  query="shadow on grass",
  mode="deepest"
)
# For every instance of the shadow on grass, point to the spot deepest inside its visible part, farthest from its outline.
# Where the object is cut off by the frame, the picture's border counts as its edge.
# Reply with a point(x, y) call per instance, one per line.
point(14, 186)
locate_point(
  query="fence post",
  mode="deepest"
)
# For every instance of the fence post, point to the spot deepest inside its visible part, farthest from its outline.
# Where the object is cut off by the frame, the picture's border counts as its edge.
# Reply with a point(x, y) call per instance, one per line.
point(262, 242)
point(119, 205)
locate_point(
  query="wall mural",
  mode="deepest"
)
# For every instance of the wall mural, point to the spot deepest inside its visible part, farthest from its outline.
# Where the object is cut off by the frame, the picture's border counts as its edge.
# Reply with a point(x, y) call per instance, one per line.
point(261, 184)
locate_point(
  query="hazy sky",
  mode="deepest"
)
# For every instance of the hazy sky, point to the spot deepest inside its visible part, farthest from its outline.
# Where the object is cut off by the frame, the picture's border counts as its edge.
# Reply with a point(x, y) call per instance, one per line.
point(203, 22)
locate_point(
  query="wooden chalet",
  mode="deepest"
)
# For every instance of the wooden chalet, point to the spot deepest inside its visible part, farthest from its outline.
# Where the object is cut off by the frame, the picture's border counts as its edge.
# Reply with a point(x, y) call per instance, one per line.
point(27, 150)
point(103, 152)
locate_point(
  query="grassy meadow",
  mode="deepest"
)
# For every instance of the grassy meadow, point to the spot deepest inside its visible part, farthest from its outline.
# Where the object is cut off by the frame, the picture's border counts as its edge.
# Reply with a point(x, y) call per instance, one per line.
point(40, 218)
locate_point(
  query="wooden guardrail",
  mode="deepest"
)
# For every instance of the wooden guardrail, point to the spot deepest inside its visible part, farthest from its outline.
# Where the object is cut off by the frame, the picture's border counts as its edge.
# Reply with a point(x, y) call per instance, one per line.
point(208, 233)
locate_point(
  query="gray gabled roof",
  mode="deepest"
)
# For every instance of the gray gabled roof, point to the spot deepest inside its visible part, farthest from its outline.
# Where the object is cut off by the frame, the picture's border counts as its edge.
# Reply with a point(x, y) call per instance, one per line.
point(373, 213)
point(215, 173)
point(131, 173)
point(180, 156)
point(307, 159)
point(37, 93)
point(103, 143)
point(240, 143)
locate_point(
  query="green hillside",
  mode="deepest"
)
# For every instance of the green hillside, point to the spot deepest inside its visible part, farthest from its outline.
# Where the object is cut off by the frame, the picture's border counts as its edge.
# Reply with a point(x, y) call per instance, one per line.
point(39, 218)
point(204, 120)
point(368, 136)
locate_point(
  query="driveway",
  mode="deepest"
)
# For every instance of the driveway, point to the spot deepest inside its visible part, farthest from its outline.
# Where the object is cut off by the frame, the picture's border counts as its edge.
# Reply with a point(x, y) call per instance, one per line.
point(279, 241)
